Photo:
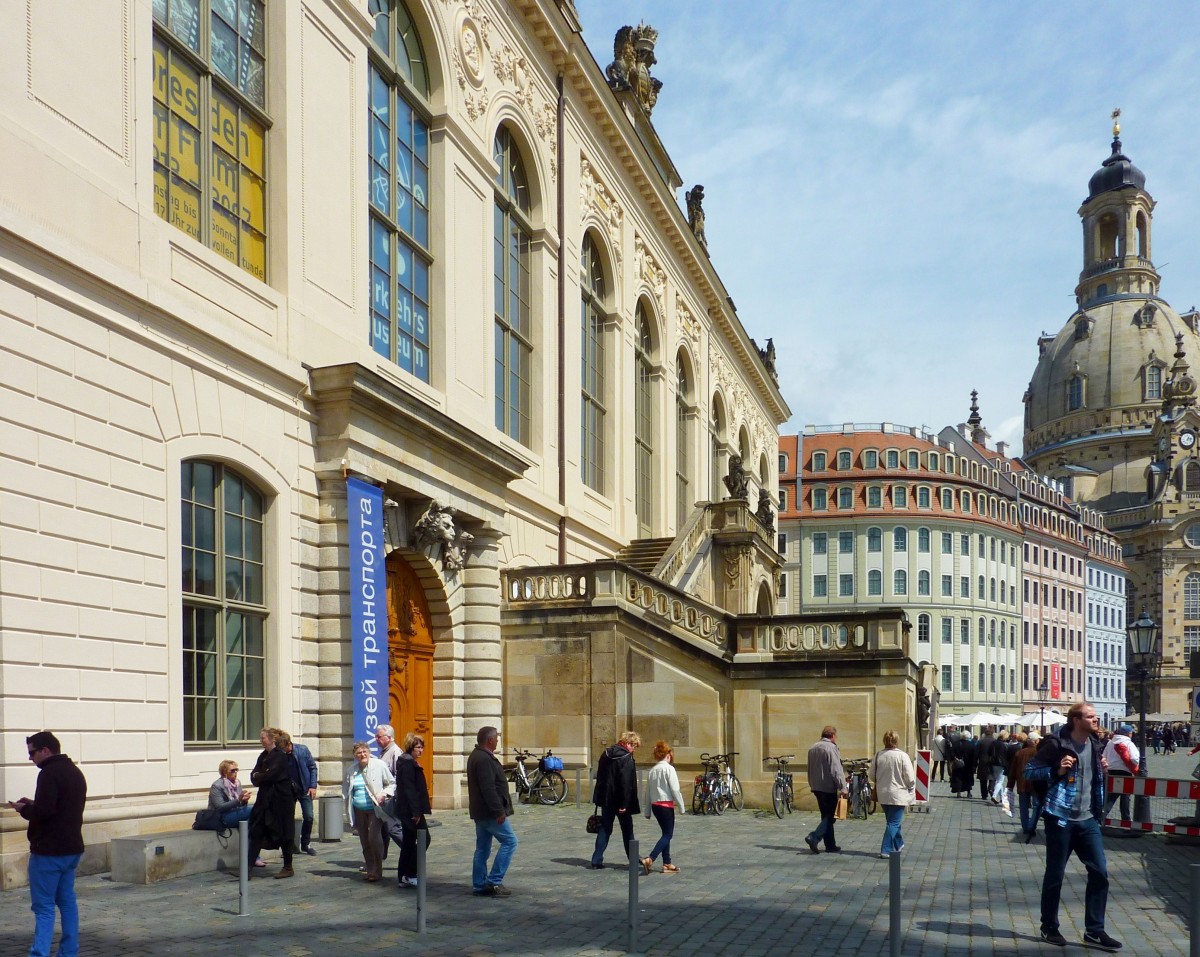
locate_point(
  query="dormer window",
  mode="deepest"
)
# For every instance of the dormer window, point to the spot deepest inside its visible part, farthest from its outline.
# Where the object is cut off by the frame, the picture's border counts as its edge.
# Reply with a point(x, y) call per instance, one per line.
point(818, 461)
point(843, 461)
point(893, 459)
point(914, 459)
point(870, 459)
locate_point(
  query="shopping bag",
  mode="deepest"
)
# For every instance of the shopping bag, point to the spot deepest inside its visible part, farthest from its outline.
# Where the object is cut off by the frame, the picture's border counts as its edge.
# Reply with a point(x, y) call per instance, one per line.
point(843, 809)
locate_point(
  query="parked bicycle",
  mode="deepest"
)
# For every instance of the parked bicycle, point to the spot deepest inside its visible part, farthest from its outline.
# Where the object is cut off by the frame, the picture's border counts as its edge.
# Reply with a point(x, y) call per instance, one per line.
point(782, 793)
point(718, 788)
point(863, 800)
point(545, 785)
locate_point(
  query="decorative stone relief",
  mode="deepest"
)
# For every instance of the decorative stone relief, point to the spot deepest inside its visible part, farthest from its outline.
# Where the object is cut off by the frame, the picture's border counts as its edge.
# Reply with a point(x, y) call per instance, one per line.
point(436, 527)
point(688, 323)
point(474, 47)
point(595, 198)
point(648, 270)
point(742, 411)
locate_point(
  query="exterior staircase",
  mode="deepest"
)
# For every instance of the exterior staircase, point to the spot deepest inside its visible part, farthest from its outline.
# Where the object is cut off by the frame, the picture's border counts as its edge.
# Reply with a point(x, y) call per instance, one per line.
point(644, 554)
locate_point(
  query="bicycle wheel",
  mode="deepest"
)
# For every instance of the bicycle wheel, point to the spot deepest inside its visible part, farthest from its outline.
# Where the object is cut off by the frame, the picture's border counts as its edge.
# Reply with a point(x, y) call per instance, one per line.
point(789, 796)
point(737, 800)
point(872, 800)
point(698, 799)
point(778, 799)
point(550, 788)
point(718, 802)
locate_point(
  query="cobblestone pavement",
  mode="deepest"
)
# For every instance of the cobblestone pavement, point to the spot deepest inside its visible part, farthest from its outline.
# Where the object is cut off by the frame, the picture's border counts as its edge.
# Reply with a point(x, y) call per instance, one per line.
point(748, 886)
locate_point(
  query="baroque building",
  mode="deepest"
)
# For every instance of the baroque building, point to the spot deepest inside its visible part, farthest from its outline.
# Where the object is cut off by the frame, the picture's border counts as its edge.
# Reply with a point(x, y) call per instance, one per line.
point(1100, 419)
point(330, 319)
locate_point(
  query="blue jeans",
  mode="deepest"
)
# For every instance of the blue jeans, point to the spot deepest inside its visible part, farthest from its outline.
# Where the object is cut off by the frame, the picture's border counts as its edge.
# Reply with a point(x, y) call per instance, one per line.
point(827, 804)
point(484, 832)
point(306, 811)
point(893, 840)
point(51, 883)
point(231, 818)
point(1029, 811)
point(607, 815)
point(666, 822)
point(1082, 837)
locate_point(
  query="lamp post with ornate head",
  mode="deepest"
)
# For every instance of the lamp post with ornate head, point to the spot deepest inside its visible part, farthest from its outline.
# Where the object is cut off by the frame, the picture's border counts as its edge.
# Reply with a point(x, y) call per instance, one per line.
point(1143, 637)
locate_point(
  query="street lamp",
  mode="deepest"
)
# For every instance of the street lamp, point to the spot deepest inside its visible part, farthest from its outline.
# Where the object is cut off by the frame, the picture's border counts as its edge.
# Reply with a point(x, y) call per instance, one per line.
point(1042, 691)
point(1143, 635)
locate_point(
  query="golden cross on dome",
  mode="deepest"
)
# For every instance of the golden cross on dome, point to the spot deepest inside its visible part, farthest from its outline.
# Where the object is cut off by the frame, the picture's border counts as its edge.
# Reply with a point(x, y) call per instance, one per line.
point(1116, 116)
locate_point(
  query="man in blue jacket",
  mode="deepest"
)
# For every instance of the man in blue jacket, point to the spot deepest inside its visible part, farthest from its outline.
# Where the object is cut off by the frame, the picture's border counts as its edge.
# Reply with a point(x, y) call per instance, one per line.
point(303, 771)
point(1071, 764)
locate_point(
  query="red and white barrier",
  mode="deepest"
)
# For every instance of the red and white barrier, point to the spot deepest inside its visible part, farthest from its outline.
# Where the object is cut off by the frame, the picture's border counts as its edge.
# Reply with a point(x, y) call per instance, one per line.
point(922, 795)
point(1153, 787)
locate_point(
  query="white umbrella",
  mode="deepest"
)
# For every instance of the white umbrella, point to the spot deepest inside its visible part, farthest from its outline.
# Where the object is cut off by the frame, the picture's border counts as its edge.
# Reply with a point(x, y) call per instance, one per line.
point(947, 719)
point(981, 717)
point(1036, 719)
point(1008, 718)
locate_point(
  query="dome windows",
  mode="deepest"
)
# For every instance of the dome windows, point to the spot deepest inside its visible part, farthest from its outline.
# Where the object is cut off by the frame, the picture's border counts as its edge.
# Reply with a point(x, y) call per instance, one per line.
point(1075, 392)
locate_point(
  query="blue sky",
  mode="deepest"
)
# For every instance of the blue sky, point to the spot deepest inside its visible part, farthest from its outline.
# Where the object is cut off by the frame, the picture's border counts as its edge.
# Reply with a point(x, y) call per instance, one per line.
point(892, 189)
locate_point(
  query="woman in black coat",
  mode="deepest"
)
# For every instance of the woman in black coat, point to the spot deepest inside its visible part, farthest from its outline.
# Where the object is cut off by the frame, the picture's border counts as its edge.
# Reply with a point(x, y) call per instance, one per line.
point(961, 779)
point(616, 794)
point(273, 820)
point(411, 806)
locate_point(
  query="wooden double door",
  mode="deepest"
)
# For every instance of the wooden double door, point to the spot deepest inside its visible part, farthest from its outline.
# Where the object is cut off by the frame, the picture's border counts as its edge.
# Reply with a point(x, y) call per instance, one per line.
point(410, 659)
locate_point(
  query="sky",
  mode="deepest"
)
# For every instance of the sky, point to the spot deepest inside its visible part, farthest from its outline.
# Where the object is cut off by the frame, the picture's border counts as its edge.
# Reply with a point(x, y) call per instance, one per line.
point(891, 190)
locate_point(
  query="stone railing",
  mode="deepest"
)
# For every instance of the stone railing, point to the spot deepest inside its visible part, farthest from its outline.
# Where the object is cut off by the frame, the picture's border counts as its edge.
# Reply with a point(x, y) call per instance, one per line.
point(677, 557)
point(822, 635)
point(609, 582)
point(735, 514)
point(1104, 265)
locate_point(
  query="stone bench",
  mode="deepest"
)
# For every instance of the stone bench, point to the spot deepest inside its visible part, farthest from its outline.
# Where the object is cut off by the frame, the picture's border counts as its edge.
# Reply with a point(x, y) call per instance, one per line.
point(146, 858)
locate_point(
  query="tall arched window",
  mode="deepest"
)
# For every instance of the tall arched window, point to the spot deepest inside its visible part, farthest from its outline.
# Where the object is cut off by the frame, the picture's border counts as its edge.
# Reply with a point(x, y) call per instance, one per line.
point(592, 362)
point(643, 424)
point(874, 582)
point(874, 539)
point(1075, 393)
point(923, 627)
point(683, 443)
point(923, 582)
point(717, 449)
point(398, 167)
point(514, 322)
point(224, 606)
point(900, 582)
point(1153, 382)
point(1191, 596)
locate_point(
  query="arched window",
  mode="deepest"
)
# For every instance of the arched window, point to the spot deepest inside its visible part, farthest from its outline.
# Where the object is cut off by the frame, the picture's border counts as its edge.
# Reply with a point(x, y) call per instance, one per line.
point(845, 498)
point(643, 424)
point(1143, 236)
point(870, 459)
point(874, 497)
point(874, 539)
point(981, 630)
point(923, 497)
point(992, 683)
point(982, 677)
point(593, 371)
point(818, 461)
point(923, 583)
point(900, 582)
point(683, 444)
point(874, 582)
point(512, 274)
point(210, 125)
point(1075, 393)
point(900, 539)
point(947, 500)
point(398, 167)
point(224, 606)
point(717, 449)
point(1153, 380)
point(1191, 596)
point(923, 540)
point(923, 627)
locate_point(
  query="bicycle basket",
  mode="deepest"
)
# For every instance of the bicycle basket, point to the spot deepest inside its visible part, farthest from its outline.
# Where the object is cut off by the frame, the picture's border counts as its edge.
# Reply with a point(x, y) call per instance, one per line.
point(551, 762)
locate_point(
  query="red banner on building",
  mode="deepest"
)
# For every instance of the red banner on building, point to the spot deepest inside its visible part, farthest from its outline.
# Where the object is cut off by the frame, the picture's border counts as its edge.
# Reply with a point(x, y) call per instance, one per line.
point(1056, 681)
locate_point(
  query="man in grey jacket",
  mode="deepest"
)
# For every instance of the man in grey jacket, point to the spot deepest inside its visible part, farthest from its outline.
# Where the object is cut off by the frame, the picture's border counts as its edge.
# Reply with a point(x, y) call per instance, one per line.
point(826, 780)
point(490, 807)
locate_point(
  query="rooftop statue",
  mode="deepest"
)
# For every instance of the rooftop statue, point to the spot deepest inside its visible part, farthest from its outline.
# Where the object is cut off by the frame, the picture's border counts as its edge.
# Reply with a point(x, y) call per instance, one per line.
point(633, 55)
point(695, 213)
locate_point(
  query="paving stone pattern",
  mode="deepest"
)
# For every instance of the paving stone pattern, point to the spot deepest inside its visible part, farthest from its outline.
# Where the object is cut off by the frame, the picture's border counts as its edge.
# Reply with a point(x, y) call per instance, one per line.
point(748, 886)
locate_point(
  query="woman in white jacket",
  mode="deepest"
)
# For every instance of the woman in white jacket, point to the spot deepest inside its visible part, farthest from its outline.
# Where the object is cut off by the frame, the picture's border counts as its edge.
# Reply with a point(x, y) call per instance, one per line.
point(662, 794)
point(895, 782)
point(368, 783)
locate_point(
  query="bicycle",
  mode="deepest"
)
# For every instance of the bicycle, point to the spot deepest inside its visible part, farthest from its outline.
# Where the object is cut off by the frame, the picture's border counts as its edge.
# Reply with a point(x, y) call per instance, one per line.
point(863, 800)
point(708, 794)
point(545, 786)
point(782, 793)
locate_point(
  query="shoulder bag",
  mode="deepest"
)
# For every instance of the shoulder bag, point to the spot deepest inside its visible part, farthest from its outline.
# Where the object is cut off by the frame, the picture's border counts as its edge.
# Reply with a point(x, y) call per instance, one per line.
point(595, 822)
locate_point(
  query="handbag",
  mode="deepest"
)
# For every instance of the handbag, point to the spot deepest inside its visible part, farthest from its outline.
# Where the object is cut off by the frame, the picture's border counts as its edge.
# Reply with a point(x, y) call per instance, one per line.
point(208, 820)
point(843, 809)
point(595, 822)
point(959, 764)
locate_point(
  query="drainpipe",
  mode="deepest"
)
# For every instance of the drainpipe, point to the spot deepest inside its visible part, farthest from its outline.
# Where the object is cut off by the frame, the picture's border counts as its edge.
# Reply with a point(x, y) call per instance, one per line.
point(562, 327)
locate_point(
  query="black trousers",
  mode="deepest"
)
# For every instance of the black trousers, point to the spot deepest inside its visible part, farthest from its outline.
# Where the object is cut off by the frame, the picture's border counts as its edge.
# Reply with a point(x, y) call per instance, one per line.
point(407, 865)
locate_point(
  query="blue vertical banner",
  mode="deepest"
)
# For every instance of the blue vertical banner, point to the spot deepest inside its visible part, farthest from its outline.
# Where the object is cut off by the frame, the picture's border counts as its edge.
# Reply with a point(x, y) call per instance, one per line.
point(368, 609)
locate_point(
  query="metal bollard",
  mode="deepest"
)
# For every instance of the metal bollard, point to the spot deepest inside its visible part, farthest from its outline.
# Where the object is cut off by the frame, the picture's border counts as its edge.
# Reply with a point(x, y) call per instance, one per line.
point(635, 866)
point(894, 904)
point(243, 868)
point(421, 880)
